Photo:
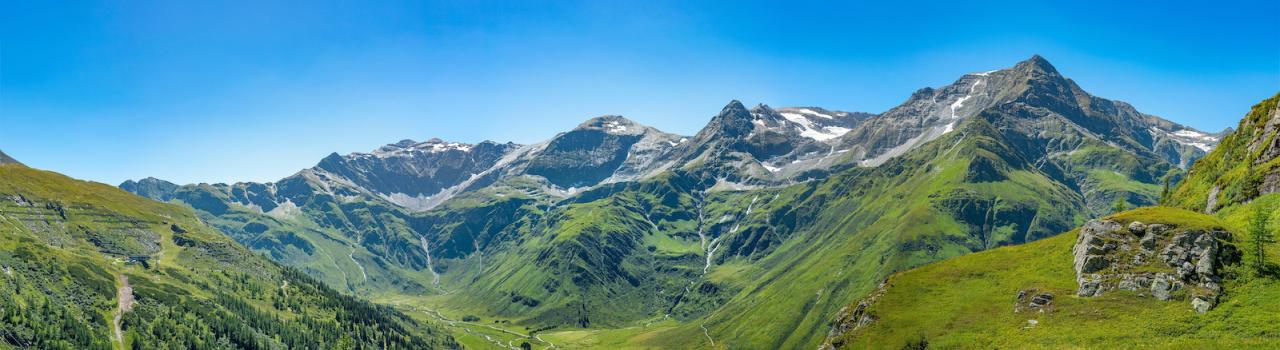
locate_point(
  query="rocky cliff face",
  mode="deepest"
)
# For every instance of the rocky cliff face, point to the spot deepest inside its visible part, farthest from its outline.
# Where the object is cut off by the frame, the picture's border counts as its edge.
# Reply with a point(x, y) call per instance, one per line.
point(408, 172)
point(1244, 166)
point(1159, 260)
point(1052, 113)
point(745, 148)
point(603, 149)
point(852, 318)
point(1267, 147)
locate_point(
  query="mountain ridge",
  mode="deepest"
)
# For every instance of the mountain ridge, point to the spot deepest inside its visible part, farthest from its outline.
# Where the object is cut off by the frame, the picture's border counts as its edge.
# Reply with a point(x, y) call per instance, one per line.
point(554, 234)
point(6, 159)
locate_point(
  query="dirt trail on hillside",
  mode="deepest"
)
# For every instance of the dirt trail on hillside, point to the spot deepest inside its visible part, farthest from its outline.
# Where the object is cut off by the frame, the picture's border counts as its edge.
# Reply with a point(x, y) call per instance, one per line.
point(124, 302)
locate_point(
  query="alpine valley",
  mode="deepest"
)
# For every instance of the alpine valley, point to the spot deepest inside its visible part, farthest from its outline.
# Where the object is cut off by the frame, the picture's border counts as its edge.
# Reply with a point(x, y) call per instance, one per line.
point(989, 213)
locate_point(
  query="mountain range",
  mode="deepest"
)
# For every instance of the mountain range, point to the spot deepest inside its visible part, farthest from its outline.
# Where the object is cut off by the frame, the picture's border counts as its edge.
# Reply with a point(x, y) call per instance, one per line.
point(753, 233)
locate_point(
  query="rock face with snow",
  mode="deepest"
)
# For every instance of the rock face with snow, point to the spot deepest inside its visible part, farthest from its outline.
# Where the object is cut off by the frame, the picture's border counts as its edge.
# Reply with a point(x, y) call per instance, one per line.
point(1076, 137)
point(1047, 111)
point(408, 170)
point(761, 146)
point(611, 148)
point(1163, 261)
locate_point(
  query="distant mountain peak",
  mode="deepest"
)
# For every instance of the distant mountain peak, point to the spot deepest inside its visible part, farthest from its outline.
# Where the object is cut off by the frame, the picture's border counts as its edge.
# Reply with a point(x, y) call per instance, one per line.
point(433, 145)
point(734, 120)
point(762, 108)
point(613, 124)
point(6, 159)
point(1037, 63)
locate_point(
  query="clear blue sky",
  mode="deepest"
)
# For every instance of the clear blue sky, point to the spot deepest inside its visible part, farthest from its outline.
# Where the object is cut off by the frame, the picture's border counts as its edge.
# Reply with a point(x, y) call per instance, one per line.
point(256, 90)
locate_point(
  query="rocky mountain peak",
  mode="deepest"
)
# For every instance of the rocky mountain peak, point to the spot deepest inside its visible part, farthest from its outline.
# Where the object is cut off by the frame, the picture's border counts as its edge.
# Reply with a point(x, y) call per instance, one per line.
point(762, 109)
point(1036, 63)
point(433, 145)
point(613, 124)
point(733, 121)
point(6, 159)
point(151, 187)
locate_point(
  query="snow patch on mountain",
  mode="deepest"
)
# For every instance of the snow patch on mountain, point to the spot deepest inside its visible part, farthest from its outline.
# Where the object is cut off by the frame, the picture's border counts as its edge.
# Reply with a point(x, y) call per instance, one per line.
point(959, 103)
point(284, 210)
point(808, 129)
point(1193, 138)
point(418, 202)
point(408, 148)
point(615, 127)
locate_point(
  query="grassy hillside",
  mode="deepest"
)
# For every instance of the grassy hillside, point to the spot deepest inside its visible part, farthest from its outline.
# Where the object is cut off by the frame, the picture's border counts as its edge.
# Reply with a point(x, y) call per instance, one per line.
point(1235, 170)
point(89, 266)
point(968, 301)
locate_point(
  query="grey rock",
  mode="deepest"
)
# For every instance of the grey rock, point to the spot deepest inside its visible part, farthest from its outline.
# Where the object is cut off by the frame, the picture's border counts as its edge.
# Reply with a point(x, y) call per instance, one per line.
point(1157, 228)
point(1211, 202)
point(1042, 300)
point(1160, 289)
point(1094, 263)
point(1089, 288)
point(1137, 227)
point(1108, 257)
point(1202, 304)
point(1148, 242)
point(1128, 284)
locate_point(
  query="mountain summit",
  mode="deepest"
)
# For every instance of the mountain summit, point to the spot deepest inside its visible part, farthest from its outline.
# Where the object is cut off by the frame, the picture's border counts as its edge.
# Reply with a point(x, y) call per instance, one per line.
point(6, 159)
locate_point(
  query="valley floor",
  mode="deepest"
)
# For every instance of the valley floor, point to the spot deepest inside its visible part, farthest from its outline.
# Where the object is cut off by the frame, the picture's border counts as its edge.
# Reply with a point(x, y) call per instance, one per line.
point(486, 333)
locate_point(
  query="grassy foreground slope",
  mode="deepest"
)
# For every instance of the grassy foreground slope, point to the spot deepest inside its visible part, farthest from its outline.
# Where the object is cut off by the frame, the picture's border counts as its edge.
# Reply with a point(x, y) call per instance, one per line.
point(65, 284)
point(967, 302)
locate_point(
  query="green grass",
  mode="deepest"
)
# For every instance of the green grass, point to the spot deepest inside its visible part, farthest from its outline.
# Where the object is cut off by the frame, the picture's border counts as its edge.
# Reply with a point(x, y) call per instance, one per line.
point(967, 302)
point(63, 243)
point(1230, 168)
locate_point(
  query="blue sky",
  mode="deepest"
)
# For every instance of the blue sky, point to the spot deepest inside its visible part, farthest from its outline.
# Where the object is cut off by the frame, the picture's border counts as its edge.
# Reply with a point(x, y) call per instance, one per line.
point(256, 90)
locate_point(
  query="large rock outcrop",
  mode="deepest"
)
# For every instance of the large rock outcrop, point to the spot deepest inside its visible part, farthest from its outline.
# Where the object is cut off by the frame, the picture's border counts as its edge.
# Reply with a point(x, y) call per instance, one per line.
point(1160, 260)
point(852, 319)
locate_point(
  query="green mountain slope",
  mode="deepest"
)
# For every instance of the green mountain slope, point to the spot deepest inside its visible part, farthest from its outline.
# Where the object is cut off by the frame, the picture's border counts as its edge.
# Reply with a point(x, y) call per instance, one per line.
point(974, 300)
point(88, 266)
point(1246, 164)
point(969, 302)
point(705, 252)
point(352, 241)
point(634, 252)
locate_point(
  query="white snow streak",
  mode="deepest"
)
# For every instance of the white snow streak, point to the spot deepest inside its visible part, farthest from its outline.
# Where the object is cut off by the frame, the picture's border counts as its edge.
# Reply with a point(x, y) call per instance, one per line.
point(811, 130)
point(427, 248)
point(352, 256)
